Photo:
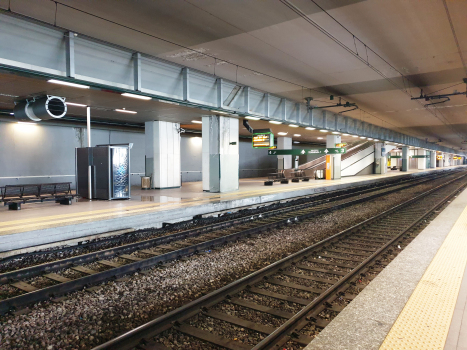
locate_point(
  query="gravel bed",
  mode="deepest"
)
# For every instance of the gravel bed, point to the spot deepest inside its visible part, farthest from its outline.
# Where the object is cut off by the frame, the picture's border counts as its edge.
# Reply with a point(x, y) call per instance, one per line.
point(270, 302)
point(85, 320)
point(287, 291)
point(249, 314)
point(226, 330)
point(178, 340)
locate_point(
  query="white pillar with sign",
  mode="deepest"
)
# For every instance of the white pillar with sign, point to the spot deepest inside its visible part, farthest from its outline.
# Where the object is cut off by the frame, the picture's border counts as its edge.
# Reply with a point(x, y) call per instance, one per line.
point(421, 161)
point(220, 159)
point(333, 161)
point(284, 161)
point(162, 141)
point(433, 159)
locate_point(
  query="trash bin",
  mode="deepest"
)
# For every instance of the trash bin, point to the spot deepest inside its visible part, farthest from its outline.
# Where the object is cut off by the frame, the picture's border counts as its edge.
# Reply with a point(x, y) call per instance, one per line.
point(319, 174)
point(145, 182)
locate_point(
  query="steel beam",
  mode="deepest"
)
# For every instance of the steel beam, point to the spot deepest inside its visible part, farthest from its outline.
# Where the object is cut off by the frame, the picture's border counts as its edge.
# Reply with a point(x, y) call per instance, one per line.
point(70, 54)
point(137, 71)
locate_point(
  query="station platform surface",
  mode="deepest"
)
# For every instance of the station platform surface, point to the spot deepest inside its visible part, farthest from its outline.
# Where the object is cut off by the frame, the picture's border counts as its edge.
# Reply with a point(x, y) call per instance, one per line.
point(44, 223)
point(419, 301)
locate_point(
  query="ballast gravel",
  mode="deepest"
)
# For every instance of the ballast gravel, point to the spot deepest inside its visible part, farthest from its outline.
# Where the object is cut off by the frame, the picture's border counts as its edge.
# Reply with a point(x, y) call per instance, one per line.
point(84, 320)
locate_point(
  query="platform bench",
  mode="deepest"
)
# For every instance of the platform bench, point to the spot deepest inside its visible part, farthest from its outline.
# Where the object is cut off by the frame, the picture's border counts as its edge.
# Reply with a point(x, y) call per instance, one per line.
point(276, 177)
point(298, 175)
point(15, 195)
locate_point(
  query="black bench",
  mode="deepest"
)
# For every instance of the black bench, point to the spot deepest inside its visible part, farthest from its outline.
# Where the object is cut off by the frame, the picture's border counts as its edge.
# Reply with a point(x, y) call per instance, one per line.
point(14, 195)
point(298, 175)
point(276, 177)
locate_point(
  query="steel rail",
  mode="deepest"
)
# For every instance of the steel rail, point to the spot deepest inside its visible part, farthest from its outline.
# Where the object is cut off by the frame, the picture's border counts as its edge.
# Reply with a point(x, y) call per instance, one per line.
point(132, 338)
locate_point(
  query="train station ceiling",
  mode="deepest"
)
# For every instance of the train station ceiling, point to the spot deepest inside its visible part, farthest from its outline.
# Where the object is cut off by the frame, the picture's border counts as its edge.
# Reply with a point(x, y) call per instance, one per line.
point(376, 53)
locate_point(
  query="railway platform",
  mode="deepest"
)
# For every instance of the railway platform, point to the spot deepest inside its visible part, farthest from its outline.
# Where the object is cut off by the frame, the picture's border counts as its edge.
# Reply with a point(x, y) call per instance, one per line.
point(42, 224)
point(418, 301)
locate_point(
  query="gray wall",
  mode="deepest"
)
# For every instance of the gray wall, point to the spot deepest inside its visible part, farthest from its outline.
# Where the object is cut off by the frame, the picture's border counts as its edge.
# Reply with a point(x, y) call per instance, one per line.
point(44, 153)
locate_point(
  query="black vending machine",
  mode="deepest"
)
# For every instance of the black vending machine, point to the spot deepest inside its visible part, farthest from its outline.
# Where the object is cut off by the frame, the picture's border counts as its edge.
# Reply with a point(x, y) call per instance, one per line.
point(110, 171)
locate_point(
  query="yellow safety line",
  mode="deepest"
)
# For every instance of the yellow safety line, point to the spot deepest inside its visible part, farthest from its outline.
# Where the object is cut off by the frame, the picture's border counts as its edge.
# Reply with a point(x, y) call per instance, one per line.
point(425, 320)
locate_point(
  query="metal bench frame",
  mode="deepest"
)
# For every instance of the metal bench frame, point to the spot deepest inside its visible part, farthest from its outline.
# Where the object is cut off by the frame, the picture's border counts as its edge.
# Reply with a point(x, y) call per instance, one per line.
point(15, 195)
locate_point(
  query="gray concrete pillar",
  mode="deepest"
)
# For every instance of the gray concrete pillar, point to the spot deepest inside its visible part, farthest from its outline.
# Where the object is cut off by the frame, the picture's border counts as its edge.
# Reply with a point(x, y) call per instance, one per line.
point(285, 161)
point(162, 142)
point(220, 159)
point(331, 141)
point(405, 158)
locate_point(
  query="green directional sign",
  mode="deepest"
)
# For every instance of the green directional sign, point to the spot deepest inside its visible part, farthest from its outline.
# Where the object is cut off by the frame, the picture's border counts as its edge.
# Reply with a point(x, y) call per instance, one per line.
point(298, 152)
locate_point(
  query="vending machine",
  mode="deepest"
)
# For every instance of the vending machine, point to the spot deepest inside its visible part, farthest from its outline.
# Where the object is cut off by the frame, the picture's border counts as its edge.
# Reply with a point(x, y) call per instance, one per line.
point(109, 169)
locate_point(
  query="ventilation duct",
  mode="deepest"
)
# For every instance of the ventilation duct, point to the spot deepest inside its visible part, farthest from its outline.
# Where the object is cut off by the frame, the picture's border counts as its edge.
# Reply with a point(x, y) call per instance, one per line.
point(42, 108)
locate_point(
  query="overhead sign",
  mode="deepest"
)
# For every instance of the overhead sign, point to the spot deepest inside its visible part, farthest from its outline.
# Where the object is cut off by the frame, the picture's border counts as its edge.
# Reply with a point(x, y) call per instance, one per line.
point(298, 152)
point(263, 140)
point(439, 157)
point(419, 156)
point(341, 145)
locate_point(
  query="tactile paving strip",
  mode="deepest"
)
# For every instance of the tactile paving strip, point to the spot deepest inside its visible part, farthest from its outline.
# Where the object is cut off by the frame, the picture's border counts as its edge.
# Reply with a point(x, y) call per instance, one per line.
point(424, 322)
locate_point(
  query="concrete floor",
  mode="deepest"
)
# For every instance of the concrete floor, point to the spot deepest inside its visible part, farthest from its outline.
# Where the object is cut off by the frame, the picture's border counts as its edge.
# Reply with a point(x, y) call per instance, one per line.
point(42, 223)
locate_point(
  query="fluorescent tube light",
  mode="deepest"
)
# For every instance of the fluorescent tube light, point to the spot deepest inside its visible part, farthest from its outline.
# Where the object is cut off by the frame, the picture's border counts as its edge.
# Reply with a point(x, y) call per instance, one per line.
point(275, 122)
point(309, 128)
point(282, 133)
point(323, 130)
point(125, 111)
point(75, 104)
point(252, 118)
point(297, 135)
point(336, 132)
point(293, 126)
point(320, 138)
point(54, 81)
point(141, 97)
point(197, 121)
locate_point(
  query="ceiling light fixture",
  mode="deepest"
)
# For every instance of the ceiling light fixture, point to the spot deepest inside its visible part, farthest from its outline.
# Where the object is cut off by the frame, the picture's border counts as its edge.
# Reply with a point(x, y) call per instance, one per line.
point(125, 111)
point(323, 130)
point(362, 137)
point(336, 133)
point(281, 133)
point(293, 126)
point(54, 81)
point(354, 136)
point(320, 138)
point(220, 112)
point(169, 102)
point(75, 104)
point(252, 118)
point(296, 142)
point(375, 140)
point(309, 128)
point(275, 122)
point(370, 139)
point(141, 97)
point(197, 121)
point(345, 134)
point(297, 135)
point(12, 114)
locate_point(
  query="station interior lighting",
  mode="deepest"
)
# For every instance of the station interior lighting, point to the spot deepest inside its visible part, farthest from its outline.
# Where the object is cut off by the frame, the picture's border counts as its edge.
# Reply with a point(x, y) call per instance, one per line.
point(345, 135)
point(197, 121)
point(323, 130)
point(370, 139)
point(336, 132)
point(54, 81)
point(375, 140)
point(293, 126)
point(137, 96)
point(310, 128)
point(220, 112)
point(282, 133)
point(362, 137)
point(75, 104)
point(354, 136)
point(275, 122)
point(320, 138)
point(297, 135)
point(296, 142)
point(169, 102)
point(252, 118)
point(125, 111)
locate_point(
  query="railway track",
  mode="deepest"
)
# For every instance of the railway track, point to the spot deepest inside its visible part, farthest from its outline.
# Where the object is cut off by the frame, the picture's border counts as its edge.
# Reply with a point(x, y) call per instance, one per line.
point(60, 277)
point(284, 304)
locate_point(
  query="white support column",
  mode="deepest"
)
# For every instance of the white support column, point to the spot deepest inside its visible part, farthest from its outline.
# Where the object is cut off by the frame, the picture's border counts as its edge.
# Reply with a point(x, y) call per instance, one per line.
point(88, 127)
point(331, 141)
point(433, 159)
point(285, 161)
point(220, 163)
point(163, 154)
point(381, 151)
point(421, 161)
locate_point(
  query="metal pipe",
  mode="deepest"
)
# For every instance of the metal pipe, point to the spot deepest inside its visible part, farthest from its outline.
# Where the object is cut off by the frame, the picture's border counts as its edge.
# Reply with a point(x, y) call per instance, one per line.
point(88, 117)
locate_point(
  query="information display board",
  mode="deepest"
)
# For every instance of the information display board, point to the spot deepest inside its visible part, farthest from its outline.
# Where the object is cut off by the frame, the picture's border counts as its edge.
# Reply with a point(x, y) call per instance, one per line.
point(263, 140)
